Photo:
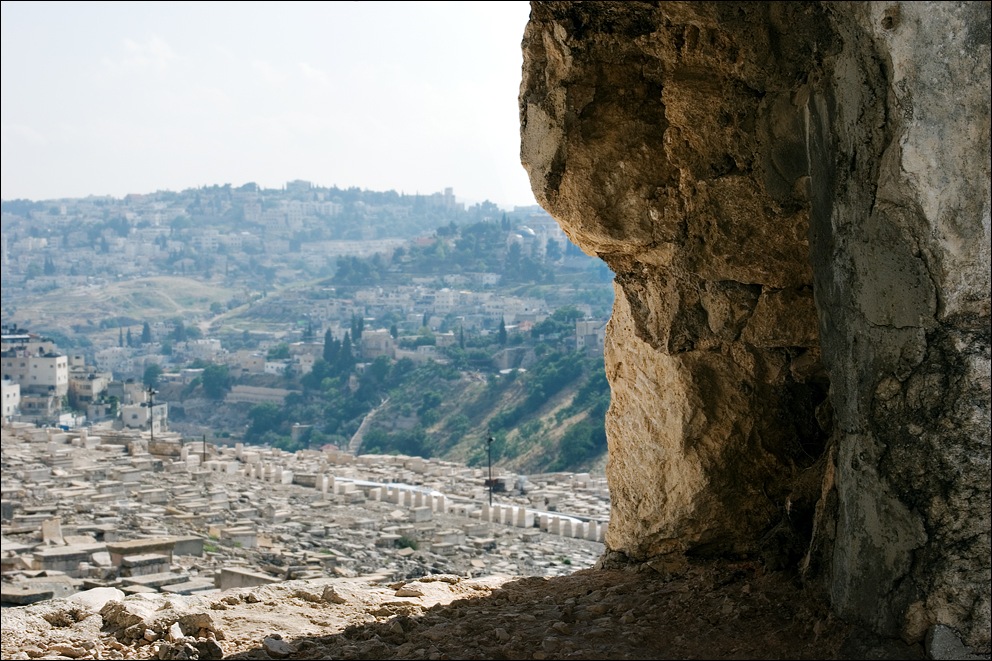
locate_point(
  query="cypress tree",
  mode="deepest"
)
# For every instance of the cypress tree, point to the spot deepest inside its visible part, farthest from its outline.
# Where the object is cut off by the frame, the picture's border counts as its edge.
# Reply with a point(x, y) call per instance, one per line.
point(345, 360)
point(330, 348)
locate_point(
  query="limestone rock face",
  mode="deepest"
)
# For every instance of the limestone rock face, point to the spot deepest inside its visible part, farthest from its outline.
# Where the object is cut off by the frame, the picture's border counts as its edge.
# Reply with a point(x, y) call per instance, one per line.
point(795, 200)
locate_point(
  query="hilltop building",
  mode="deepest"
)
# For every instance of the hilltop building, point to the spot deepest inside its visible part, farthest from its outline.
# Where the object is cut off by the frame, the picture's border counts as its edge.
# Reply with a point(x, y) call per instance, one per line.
point(40, 373)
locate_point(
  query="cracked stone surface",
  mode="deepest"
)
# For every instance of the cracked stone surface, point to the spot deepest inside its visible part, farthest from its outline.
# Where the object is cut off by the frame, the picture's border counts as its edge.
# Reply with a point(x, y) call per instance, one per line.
point(795, 200)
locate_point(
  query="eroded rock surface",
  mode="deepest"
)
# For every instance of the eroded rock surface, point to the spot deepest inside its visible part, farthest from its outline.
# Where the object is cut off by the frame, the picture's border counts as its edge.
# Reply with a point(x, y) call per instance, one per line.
point(794, 198)
point(722, 611)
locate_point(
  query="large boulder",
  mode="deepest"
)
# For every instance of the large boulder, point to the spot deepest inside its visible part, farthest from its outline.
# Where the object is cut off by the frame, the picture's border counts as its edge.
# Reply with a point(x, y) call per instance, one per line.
point(795, 200)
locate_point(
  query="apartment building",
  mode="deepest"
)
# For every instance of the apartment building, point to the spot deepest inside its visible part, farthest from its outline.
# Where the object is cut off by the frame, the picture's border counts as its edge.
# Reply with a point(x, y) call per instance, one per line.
point(39, 373)
point(590, 336)
point(10, 393)
point(88, 386)
point(375, 343)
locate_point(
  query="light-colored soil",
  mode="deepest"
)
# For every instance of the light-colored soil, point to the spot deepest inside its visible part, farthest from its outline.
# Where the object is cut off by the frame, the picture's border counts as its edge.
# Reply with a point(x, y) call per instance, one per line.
point(721, 610)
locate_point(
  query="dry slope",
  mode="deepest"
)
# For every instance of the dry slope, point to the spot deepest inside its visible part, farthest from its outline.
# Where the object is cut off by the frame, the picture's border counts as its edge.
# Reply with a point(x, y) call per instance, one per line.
point(716, 610)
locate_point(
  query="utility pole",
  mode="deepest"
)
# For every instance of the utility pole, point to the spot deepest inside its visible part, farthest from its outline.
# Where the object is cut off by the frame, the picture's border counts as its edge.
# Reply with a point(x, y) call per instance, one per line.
point(489, 452)
point(151, 411)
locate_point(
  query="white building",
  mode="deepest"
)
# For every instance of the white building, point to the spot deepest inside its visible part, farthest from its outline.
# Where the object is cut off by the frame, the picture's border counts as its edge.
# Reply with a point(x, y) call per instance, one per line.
point(11, 395)
point(377, 343)
point(207, 349)
point(88, 386)
point(446, 300)
point(117, 360)
point(590, 335)
point(38, 373)
point(148, 414)
point(276, 367)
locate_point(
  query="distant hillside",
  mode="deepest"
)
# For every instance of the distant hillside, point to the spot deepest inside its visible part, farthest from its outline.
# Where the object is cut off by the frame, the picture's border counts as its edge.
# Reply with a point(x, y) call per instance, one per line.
point(471, 291)
point(548, 418)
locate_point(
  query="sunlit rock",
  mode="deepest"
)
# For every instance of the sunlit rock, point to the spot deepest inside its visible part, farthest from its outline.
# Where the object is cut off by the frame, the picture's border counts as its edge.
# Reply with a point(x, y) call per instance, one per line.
point(795, 200)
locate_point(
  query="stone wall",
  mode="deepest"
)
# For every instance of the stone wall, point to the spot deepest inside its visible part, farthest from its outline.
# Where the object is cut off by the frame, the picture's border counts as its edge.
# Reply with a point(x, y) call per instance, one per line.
point(794, 198)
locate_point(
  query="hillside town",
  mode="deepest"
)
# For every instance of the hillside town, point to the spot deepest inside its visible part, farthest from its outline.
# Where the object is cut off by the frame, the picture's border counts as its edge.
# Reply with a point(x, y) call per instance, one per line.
point(248, 243)
point(242, 233)
point(99, 489)
point(255, 253)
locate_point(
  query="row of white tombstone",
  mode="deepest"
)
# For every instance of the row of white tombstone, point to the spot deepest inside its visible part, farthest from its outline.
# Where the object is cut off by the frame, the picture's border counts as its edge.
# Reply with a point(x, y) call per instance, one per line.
point(417, 498)
point(556, 524)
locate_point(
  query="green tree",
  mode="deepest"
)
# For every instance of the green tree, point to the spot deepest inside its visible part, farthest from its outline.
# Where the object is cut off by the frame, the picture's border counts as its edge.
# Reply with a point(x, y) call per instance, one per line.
point(216, 381)
point(179, 331)
point(502, 332)
point(580, 443)
point(357, 326)
point(146, 334)
point(345, 359)
point(278, 352)
point(331, 348)
point(429, 401)
point(561, 323)
point(314, 379)
point(355, 271)
point(151, 375)
point(514, 258)
point(265, 418)
point(568, 314)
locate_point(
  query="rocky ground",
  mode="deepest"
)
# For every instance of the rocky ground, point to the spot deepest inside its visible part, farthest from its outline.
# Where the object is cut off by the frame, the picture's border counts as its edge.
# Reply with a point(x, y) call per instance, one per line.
point(719, 610)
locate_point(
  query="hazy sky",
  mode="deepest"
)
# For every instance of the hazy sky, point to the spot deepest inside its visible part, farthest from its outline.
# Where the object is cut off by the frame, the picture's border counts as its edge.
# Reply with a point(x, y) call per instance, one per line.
point(111, 98)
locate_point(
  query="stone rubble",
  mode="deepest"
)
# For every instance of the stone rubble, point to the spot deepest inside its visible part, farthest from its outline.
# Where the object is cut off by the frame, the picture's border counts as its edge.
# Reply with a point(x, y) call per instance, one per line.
point(734, 610)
